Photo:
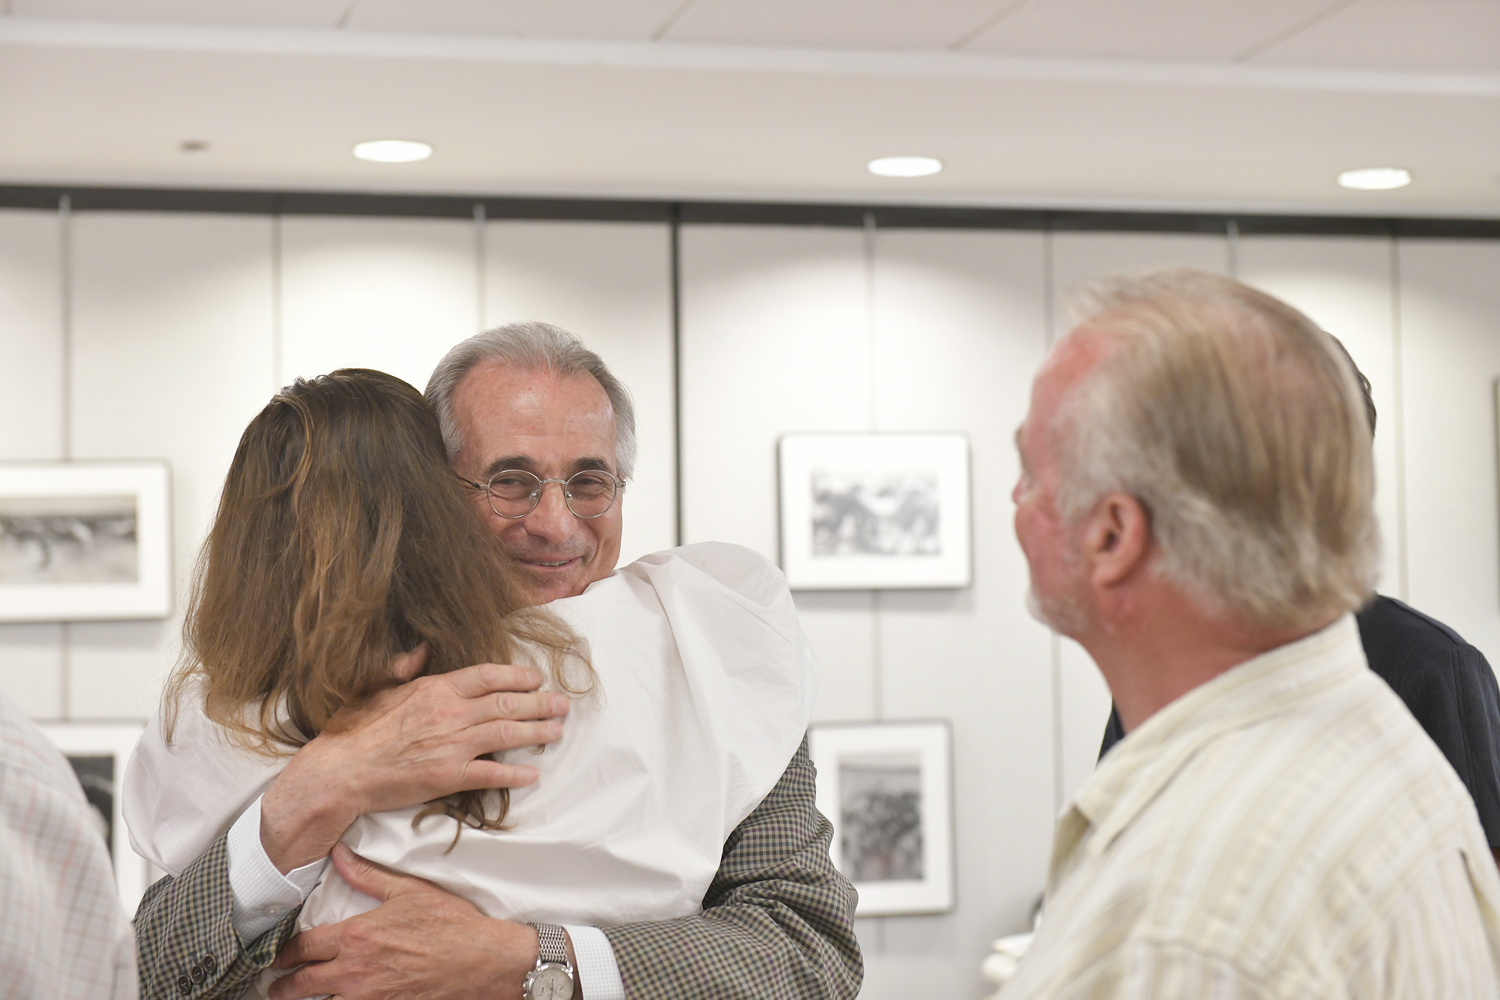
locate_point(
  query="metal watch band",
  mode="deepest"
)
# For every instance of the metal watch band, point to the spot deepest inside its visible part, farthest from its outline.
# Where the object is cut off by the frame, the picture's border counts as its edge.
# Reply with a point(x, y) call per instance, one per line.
point(554, 946)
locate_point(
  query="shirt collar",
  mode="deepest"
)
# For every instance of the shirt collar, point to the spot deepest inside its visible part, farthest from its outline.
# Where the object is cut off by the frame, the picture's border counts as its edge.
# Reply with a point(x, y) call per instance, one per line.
point(1137, 768)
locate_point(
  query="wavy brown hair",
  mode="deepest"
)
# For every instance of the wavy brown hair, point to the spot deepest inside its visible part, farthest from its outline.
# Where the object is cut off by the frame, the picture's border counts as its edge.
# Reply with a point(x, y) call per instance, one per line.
point(341, 539)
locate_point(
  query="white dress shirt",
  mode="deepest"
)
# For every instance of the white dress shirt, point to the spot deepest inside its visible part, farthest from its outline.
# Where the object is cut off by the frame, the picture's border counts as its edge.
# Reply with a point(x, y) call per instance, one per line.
point(705, 688)
point(1284, 831)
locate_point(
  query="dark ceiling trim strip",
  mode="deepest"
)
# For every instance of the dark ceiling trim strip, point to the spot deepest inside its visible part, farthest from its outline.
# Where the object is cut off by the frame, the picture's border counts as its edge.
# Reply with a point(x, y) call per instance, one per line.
point(118, 199)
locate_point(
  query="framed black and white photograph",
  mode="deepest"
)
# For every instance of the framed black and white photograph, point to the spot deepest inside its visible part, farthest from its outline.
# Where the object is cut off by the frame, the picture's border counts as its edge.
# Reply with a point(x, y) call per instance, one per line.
point(83, 541)
point(98, 752)
point(887, 789)
point(875, 511)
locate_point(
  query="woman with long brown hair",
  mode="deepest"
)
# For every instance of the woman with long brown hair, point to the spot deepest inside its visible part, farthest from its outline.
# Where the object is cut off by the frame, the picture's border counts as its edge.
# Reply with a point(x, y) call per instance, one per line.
point(342, 539)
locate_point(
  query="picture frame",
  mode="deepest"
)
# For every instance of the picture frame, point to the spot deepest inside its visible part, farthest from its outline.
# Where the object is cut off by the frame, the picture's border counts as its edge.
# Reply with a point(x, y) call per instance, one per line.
point(98, 752)
point(875, 511)
point(887, 787)
point(85, 541)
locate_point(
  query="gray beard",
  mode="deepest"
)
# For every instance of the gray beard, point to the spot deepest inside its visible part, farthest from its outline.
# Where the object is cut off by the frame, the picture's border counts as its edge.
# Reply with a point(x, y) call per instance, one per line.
point(1061, 616)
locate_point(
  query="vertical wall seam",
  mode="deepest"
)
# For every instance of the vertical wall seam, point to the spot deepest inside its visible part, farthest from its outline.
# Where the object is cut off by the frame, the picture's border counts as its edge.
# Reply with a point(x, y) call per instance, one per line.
point(1049, 292)
point(65, 250)
point(65, 253)
point(674, 232)
point(480, 269)
point(877, 659)
point(871, 333)
point(1058, 782)
point(1398, 393)
point(1232, 239)
point(1054, 644)
point(276, 333)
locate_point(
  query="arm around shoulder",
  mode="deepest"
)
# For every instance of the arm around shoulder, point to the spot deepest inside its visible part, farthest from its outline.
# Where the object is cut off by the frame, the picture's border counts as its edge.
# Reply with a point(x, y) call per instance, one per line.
point(184, 935)
point(777, 922)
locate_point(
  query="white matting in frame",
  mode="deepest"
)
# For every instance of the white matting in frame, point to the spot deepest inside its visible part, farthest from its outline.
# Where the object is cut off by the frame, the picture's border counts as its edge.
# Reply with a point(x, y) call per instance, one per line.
point(83, 541)
point(887, 788)
point(875, 511)
point(99, 752)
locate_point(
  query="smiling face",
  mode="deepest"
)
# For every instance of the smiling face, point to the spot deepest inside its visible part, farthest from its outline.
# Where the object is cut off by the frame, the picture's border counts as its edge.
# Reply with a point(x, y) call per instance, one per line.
point(553, 428)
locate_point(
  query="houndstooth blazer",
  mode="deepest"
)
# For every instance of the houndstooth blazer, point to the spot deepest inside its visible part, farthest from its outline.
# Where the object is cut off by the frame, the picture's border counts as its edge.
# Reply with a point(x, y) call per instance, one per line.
point(777, 922)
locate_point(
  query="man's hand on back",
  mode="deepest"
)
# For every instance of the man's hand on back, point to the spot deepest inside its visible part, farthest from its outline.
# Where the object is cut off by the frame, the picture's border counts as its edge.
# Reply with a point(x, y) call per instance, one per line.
point(412, 743)
point(419, 940)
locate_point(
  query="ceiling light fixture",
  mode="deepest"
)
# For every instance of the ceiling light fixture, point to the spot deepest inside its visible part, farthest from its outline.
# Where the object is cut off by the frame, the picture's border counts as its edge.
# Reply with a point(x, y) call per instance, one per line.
point(392, 150)
point(1375, 178)
point(905, 166)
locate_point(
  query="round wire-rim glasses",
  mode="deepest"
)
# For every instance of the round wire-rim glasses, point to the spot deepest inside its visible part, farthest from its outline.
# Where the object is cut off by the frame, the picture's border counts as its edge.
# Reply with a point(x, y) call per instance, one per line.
point(514, 493)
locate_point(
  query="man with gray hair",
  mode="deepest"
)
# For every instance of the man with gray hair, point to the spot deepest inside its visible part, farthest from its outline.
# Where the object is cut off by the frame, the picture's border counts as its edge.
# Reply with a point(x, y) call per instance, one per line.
point(1196, 508)
point(522, 408)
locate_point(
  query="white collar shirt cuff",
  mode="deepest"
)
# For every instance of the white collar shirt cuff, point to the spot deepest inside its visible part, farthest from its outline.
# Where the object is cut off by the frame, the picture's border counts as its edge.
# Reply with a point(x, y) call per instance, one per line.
point(598, 973)
point(262, 895)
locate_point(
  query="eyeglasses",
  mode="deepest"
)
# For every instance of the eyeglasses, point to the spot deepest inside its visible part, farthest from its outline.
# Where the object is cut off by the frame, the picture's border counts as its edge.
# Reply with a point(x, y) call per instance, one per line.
point(514, 493)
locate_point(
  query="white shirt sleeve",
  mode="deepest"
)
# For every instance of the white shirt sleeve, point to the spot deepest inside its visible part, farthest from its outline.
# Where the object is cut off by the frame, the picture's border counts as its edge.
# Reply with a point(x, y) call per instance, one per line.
point(598, 973)
point(262, 895)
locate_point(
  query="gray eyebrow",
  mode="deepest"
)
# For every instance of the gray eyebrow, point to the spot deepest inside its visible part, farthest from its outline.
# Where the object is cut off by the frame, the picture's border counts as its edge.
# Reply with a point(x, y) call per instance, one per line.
point(585, 464)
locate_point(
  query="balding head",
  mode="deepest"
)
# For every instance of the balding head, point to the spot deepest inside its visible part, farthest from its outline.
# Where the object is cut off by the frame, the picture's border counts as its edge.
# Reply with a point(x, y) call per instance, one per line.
point(1239, 428)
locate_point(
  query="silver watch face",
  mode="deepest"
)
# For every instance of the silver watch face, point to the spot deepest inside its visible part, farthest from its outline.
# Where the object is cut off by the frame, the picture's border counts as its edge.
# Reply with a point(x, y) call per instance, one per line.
point(549, 981)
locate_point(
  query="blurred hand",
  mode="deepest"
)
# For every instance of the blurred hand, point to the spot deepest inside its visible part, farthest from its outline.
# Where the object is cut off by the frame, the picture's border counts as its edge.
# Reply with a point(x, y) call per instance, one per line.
point(412, 743)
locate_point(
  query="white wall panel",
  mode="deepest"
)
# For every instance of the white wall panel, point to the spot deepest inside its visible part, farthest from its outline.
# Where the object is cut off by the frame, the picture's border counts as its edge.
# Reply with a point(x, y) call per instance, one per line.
point(31, 668)
point(775, 338)
point(1344, 285)
point(1077, 258)
point(31, 336)
point(388, 294)
point(31, 425)
point(1450, 350)
point(171, 358)
point(844, 630)
point(960, 331)
point(611, 284)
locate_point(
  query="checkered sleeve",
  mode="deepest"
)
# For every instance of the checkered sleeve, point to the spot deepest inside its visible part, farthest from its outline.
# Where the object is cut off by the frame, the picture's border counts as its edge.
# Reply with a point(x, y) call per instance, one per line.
point(186, 947)
point(777, 922)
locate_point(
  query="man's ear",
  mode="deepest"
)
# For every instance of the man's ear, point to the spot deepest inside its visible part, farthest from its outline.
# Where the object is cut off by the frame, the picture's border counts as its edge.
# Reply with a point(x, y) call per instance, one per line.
point(1116, 538)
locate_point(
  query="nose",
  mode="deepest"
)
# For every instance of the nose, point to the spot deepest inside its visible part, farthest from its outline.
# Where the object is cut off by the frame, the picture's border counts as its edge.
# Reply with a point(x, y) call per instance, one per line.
point(551, 519)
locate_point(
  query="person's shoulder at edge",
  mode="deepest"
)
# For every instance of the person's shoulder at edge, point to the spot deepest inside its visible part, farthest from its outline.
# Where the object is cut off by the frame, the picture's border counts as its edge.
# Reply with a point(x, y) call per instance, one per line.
point(1383, 616)
point(743, 596)
point(733, 567)
point(179, 797)
point(742, 570)
point(25, 750)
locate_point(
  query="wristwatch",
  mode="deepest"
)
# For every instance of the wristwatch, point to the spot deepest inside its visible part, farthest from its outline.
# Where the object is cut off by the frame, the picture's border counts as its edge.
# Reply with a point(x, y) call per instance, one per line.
point(552, 979)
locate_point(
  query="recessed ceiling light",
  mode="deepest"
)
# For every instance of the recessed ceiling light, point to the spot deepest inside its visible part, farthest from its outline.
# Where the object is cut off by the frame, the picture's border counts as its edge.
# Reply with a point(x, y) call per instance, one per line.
point(1375, 178)
point(392, 150)
point(905, 166)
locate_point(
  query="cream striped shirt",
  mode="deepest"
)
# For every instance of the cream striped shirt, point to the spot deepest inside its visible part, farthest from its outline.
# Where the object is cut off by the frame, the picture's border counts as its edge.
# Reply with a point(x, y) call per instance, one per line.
point(1285, 830)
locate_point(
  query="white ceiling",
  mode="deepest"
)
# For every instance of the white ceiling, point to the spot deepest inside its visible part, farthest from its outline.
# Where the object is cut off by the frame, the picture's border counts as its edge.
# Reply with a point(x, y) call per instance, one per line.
point(1206, 103)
